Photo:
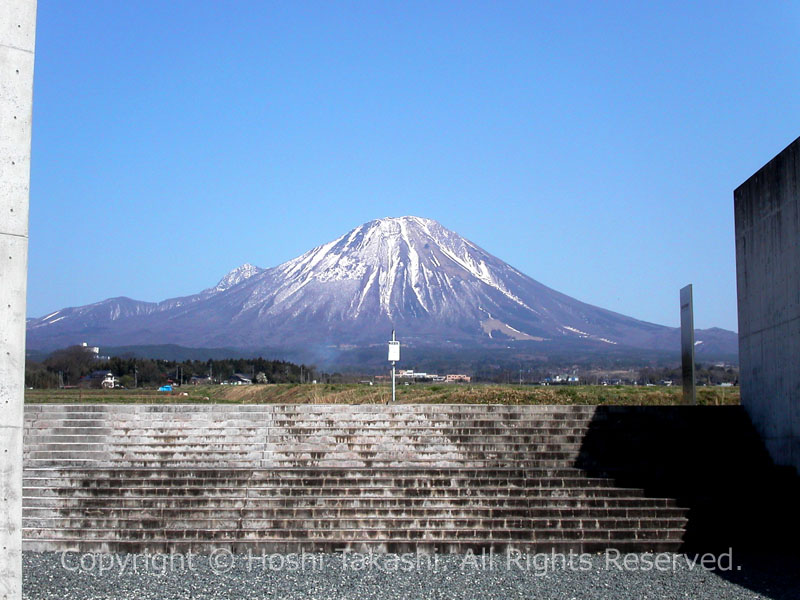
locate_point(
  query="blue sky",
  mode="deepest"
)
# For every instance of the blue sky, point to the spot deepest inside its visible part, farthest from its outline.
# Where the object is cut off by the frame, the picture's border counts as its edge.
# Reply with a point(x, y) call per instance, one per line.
point(594, 146)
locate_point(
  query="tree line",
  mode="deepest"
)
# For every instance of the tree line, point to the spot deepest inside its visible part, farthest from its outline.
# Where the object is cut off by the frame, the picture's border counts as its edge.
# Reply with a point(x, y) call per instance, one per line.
point(703, 374)
point(71, 366)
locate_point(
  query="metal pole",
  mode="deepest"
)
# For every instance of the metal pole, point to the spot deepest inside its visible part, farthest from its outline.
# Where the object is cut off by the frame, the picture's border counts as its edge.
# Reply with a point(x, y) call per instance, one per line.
point(394, 339)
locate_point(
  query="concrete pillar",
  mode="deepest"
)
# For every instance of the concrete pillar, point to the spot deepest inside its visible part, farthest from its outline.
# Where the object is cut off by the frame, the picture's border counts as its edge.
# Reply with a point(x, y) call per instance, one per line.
point(687, 345)
point(767, 213)
point(17, 35)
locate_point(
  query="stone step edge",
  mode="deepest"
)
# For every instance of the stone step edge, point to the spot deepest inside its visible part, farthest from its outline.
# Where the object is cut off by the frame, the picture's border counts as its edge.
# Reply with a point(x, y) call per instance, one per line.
point(678, 518)
point(379, 483)
point(254, 502)
point(290, 512)
point(354, 486)
point(89, 530)
point(295, 469)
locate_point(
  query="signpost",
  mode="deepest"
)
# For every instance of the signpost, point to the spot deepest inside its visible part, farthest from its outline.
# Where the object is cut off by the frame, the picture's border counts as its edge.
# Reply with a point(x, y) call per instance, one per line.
point(687, 345)
point(394, 356)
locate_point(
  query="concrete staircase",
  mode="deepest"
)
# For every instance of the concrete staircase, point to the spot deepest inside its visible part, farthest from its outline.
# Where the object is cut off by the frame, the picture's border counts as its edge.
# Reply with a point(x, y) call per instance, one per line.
point(280, 478)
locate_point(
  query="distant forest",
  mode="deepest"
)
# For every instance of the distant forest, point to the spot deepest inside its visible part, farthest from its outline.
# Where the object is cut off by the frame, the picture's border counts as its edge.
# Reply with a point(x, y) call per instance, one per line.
point(73, 366)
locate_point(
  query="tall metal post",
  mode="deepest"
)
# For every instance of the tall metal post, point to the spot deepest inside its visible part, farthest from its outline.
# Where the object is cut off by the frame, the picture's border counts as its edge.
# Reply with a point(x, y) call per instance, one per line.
point(17, 38)
point(394, 356)
point(394, 339)
point(687, 345)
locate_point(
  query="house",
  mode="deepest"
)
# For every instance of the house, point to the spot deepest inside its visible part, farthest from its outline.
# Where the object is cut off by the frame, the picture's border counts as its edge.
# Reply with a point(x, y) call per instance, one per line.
point(456, 377)
point(99, 379)
point(239, 379)
point(95, 350)
point(200, 380)
point(411, 374)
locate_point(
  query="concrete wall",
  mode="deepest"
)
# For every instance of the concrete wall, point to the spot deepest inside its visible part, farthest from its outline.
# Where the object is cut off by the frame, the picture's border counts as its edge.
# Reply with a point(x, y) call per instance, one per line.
point(767, 209)
point(17, 35)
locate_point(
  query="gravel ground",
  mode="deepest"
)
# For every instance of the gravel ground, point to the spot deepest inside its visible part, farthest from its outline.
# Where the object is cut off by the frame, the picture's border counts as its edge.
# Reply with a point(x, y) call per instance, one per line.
point(362, 577)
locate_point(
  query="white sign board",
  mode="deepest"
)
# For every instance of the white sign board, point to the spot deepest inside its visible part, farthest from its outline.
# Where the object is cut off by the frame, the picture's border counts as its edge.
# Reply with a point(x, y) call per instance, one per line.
point(394, 351)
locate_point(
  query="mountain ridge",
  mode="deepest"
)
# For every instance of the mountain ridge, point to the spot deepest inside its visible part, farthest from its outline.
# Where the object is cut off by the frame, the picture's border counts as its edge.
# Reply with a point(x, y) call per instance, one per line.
point(408, 273)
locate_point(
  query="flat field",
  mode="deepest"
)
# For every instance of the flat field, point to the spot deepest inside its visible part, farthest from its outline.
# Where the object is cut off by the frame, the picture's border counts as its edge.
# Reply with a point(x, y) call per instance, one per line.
point(376, 394)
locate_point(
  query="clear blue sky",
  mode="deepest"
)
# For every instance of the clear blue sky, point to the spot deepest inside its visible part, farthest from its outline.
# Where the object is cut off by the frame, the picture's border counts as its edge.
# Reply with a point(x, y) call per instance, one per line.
point(594, 146)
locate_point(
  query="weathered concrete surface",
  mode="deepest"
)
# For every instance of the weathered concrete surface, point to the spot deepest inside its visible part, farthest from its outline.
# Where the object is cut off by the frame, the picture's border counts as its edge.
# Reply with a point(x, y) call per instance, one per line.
point(687, 345)
point(768, 281)
point(398, 478)
point(284, 478)
point(17, 35)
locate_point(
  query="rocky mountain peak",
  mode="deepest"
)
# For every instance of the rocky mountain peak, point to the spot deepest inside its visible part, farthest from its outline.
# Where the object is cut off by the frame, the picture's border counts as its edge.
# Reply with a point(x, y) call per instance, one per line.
point(237, 276)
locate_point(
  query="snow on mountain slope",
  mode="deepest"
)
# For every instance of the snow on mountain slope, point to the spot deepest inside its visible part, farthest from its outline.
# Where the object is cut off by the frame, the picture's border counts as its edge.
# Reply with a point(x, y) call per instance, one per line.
point(235, 277)
point(409, 273)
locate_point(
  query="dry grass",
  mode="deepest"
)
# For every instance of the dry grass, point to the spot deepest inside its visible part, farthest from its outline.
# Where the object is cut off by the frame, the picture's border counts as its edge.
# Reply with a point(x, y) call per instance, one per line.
point(381, 394)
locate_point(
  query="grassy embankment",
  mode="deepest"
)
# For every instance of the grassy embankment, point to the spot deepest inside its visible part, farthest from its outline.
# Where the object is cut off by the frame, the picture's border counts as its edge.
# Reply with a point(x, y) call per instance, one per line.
point(418, 393)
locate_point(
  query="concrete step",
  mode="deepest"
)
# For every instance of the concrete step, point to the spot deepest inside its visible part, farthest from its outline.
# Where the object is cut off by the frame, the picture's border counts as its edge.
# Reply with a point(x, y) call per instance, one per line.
point(434, 528)
point(61, 442)
point(582, 491)
point(433, 452)
point(366, 522)
point(317, 445)
point(257, 549)
point(189, 485)
point(219, 458)
point(135, 429)
point(546, 477)
point(359, 501)
point(345, 534)
point(61, 486)
point(302, 463)
point(130, 429)
point(249, 474)
point(428, 510)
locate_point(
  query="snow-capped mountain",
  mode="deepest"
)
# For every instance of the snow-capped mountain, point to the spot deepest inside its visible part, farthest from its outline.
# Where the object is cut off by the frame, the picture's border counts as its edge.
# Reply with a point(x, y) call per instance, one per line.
point(235, 277)
point(408, 273)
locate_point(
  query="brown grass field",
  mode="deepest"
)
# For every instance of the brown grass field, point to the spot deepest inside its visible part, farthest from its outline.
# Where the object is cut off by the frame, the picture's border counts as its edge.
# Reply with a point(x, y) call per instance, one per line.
point(378, 394)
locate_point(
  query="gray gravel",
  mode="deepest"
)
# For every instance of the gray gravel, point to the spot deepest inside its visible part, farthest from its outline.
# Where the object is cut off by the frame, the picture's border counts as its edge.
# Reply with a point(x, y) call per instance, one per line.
point(327, 576)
